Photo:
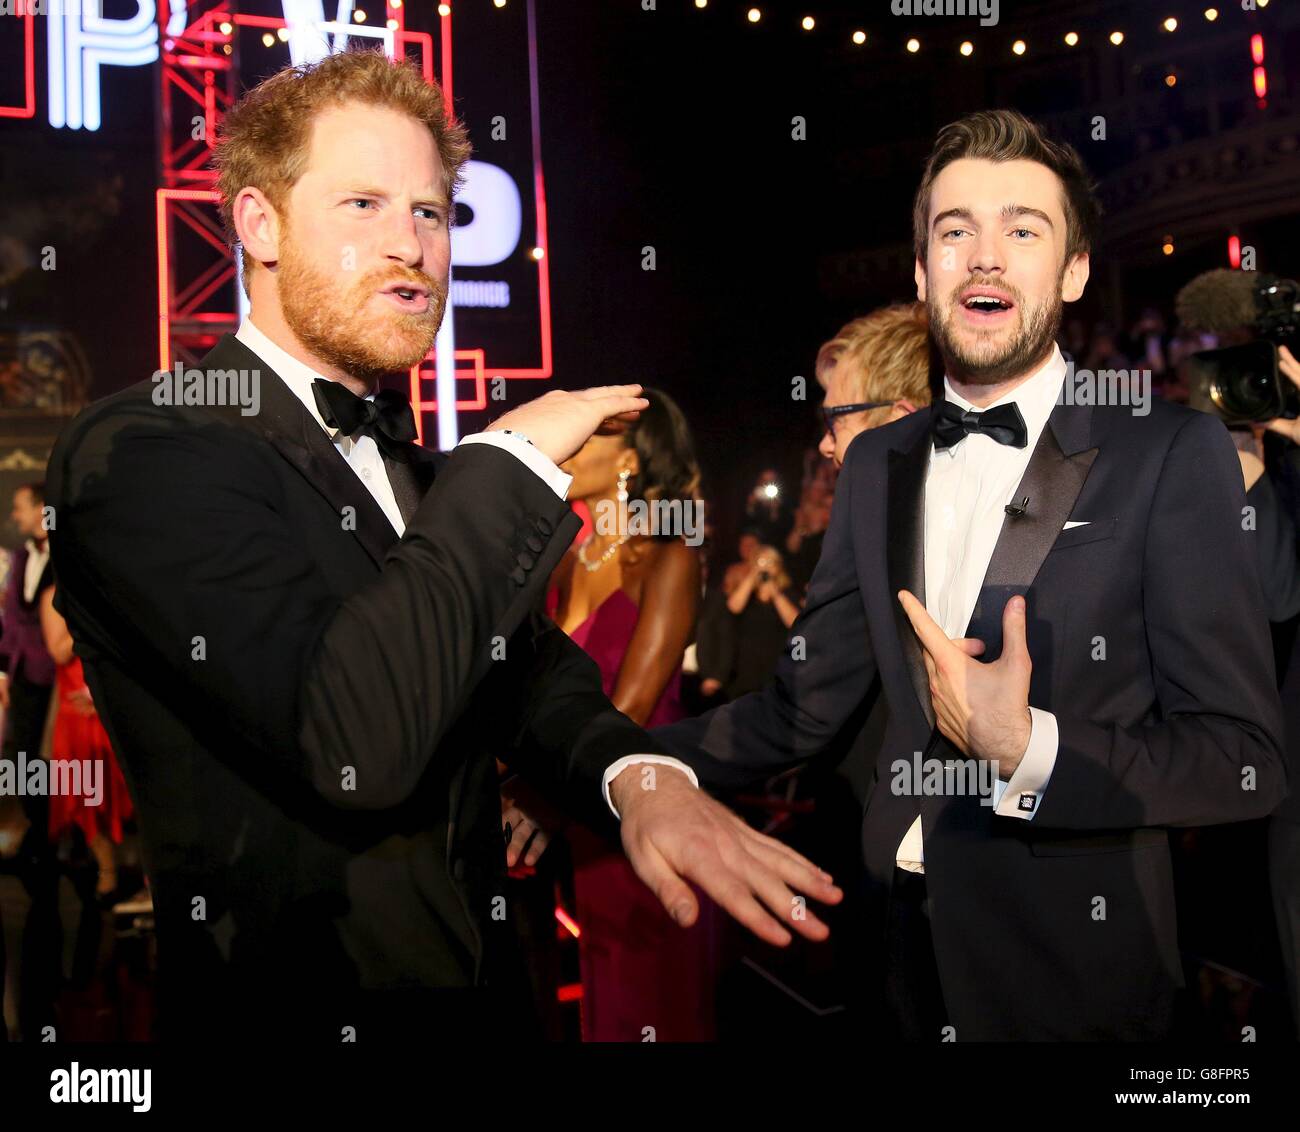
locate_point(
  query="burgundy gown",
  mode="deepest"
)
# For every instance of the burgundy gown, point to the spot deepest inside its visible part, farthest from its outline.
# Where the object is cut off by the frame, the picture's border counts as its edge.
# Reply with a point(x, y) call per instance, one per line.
point(643, 977)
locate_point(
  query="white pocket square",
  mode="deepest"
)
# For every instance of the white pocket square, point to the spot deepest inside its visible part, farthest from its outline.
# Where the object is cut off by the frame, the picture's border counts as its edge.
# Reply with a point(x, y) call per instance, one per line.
point(1073, 523)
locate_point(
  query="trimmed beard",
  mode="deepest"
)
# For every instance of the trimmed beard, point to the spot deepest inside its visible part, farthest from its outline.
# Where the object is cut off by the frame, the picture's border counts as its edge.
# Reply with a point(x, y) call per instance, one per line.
point(1032, 339)
point(340, 328)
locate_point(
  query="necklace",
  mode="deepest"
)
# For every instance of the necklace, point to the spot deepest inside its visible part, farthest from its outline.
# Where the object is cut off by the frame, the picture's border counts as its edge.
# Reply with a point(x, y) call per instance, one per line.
point(610, 551)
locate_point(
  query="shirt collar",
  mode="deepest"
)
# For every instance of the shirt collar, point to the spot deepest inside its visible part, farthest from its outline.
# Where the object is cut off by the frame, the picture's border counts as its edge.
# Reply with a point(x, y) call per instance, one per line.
point(1036, 397)
point(36, 548)
point(297, 375)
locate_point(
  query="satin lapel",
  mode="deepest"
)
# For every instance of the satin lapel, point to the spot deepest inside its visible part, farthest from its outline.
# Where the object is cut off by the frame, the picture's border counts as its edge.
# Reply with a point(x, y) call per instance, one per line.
point(1056, 473)
point(284, 422)
point(905, 543)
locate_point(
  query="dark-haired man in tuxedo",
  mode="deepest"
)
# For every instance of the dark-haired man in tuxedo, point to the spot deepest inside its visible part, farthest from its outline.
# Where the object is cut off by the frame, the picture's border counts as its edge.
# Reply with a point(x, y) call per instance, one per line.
point(308, 637)
point(1056, 590)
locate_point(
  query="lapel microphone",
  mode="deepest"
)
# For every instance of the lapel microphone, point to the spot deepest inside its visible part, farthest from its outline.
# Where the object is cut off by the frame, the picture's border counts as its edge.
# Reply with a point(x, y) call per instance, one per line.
point(1017, 509)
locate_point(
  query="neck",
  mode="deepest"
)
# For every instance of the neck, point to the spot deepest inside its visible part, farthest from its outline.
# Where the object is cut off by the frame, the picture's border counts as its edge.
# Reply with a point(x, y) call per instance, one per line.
point(981, 396)
point(598, 505)
point(268, 316)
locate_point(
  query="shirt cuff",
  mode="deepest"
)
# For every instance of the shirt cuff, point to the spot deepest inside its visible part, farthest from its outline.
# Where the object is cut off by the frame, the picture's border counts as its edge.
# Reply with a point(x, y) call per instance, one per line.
point(539, 464)
point(617, 768)
point(1021, 794)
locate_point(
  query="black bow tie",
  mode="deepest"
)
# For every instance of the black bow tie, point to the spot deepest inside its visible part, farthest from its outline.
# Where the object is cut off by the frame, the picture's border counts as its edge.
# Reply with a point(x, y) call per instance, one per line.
point(1004, 424)
point(388, 418)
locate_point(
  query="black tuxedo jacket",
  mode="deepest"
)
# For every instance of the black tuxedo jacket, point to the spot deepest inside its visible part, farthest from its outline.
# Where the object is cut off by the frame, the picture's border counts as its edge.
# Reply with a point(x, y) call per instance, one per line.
point(307, 708)
point(1149, 643)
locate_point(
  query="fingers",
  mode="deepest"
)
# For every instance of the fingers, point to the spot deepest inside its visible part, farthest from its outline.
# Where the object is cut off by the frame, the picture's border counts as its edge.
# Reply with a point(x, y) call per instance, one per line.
point(658, 876)
point(970, 646)
point(541, 839)
point(1288, 365)
point(1014, 645)
point(596, 392)
point(931, 636)
point(521, 827)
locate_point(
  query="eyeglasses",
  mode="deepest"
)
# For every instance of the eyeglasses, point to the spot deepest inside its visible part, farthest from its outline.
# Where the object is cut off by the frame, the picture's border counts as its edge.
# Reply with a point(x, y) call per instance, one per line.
point(832, 412)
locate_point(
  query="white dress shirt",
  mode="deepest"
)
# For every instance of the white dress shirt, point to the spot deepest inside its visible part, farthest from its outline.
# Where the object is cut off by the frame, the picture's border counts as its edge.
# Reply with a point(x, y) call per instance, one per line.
point(37, 556)
point(966, 488)
point(362, 453)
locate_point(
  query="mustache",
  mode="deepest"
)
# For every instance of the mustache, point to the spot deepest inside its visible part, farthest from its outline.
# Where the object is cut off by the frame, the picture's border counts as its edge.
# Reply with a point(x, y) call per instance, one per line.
point(973, 281)
point(383, 277)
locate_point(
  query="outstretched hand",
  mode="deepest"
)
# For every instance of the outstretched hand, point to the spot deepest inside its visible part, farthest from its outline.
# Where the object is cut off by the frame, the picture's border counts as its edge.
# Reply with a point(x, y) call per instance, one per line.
point(674, 833)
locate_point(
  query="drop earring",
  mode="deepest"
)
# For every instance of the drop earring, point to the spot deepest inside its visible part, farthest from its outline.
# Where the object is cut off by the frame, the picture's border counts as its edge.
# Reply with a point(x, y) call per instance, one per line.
point(623, 477)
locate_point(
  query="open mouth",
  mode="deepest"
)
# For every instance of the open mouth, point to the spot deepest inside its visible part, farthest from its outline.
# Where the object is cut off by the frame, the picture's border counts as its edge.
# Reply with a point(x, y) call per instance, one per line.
point(408, 296)
point(986, 303)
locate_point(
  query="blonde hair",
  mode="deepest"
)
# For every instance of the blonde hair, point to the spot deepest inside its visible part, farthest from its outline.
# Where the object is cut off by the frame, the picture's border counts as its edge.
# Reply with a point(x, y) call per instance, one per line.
point(265, 138)
point(886, 354)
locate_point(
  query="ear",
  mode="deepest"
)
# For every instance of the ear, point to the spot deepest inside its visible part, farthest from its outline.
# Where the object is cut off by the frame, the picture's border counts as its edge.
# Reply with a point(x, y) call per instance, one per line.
point(920, 281)
point(1076, 278)
point(631, 461)
point(258, 225)
point(902, 408)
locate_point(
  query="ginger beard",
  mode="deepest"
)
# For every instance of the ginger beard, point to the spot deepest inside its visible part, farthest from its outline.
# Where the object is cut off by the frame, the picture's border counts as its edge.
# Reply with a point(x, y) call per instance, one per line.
point(352, 328)
point(990, 357)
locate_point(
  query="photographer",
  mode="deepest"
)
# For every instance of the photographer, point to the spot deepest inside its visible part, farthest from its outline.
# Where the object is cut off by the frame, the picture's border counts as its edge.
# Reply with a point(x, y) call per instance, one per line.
point(1252, 380)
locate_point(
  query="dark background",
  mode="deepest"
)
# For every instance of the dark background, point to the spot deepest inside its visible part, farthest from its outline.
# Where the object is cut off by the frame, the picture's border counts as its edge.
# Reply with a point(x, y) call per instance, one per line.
point(672, 128)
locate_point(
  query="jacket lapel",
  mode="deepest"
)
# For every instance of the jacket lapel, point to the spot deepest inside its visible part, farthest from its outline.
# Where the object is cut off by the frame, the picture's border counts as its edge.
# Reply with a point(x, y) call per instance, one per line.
point(1052, 481)
point(286, 425)
point(905, 545)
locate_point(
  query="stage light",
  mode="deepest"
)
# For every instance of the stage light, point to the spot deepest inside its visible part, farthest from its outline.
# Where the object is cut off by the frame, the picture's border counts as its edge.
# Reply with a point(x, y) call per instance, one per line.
point(1261, 83)
point(268, 40)
point(754, 15)
point(1168, 246)
point(1257, 49)
point(1071, 39)
point(395, 4)
point(1117, 37)
point(967, 48)
point(914, 45)
point(1171, 24)
point(228, 49)
point(498, 3)
point(538, 253)
point(282, 34)
point(701, 3)
point(359, 16)
point(1234, 252)
point(1171, 79)
point(1211, 14)
point(391, 25)
point(859, 37)
point(444, 9)
point(1018, 47)
point(226, 28)
point(1262, 3)
point(808, 23)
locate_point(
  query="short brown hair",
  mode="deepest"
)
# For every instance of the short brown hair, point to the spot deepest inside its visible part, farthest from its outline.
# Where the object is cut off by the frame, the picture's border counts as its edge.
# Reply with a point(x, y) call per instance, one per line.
point(1006, 135)
point(887, 355)
point(264, 139)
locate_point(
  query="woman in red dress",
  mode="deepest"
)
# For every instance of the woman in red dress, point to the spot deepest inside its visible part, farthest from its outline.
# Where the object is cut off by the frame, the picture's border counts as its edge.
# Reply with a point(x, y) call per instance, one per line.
point(79, 735)
point(629, 597)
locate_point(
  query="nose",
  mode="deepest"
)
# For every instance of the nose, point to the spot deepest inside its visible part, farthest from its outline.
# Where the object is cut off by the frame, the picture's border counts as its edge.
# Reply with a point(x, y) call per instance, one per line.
point(986, 254)
point(402, 240)
point(827, 445)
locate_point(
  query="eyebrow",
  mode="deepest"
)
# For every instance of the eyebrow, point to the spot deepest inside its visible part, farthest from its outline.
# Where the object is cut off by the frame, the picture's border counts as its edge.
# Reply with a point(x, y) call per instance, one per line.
point(435, 201)
point(1009, 212)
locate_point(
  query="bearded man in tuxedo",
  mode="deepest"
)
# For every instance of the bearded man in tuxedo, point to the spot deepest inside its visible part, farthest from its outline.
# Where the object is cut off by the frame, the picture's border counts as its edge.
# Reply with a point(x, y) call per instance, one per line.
point(1060, 599)
point(308, 637)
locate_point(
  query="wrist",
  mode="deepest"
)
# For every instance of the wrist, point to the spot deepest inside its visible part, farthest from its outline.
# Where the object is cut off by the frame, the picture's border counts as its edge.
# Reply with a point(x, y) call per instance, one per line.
point(632, 782)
